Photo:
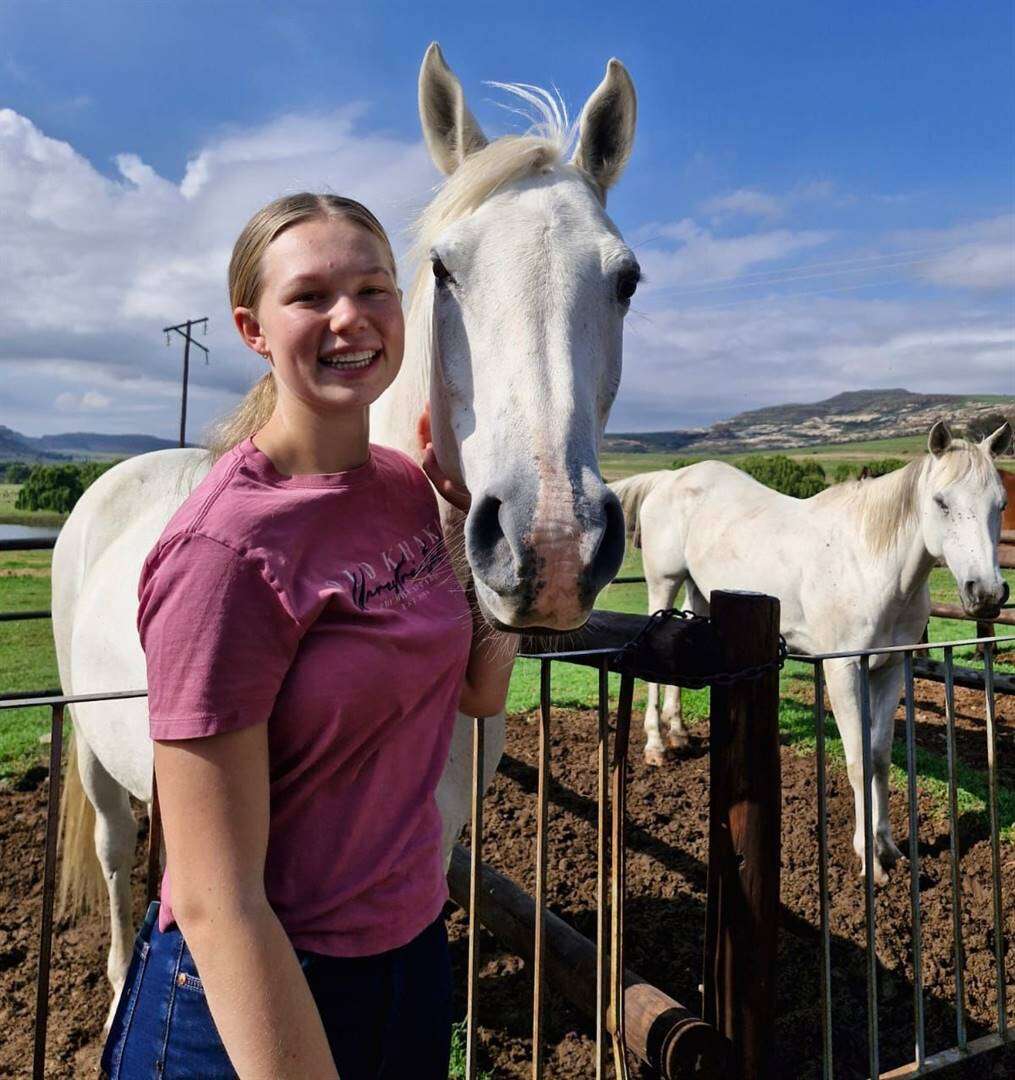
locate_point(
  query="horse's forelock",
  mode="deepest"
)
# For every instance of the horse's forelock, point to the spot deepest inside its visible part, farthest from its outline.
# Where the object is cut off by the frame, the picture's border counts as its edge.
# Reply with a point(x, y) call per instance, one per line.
point(888, 506)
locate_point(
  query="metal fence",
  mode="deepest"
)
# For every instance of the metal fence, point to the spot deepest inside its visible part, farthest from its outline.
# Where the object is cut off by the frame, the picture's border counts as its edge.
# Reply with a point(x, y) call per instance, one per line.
point(964, 1048)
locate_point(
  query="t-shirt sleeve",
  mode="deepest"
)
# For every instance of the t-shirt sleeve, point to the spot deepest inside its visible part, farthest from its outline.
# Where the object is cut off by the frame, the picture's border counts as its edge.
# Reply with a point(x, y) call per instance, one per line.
point(217, 637)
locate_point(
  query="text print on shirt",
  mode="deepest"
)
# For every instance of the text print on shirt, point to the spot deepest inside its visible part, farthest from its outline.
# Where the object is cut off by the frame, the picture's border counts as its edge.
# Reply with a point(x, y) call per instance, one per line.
point(404, 573)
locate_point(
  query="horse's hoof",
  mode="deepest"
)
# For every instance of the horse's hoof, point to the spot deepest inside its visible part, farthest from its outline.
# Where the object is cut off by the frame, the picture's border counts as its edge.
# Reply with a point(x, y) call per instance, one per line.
point(888, 854)
point(680, 743)
point(880, 875)
point(655, 757)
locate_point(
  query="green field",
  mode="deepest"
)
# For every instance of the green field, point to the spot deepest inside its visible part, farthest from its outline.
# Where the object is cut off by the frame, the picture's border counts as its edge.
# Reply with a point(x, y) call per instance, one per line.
point(616, 466)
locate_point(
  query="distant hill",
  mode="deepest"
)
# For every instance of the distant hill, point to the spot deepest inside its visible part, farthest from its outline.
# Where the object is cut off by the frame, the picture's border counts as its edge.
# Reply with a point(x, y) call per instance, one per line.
point(75, 446)
point(853, 416)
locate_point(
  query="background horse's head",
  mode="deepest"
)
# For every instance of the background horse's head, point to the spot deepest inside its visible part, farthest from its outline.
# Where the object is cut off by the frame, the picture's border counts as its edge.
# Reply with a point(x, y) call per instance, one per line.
point(963, 499)
point(521, 302)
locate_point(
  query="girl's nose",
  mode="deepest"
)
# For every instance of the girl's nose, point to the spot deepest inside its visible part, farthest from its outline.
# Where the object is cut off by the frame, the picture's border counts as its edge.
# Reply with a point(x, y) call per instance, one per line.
point(347, 314)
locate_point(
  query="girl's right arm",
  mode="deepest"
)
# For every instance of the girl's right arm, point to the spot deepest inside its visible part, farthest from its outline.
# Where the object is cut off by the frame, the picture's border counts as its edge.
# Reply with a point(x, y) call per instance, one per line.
point(213, 793)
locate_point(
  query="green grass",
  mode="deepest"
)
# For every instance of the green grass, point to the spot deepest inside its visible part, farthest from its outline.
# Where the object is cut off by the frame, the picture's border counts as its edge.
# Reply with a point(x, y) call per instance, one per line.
point(10, 515)
point(456, 1067)
point(27, 656)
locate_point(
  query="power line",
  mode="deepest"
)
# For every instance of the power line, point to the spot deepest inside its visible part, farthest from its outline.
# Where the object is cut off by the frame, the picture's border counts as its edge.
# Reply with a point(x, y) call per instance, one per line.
point(184, 330)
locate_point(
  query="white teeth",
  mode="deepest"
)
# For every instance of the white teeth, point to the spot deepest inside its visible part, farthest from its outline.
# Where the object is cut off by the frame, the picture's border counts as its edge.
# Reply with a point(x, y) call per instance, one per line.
point(349, 360)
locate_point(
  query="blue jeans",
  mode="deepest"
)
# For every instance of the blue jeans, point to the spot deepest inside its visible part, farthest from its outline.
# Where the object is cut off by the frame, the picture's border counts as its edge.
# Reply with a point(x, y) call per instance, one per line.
point(385, 1016)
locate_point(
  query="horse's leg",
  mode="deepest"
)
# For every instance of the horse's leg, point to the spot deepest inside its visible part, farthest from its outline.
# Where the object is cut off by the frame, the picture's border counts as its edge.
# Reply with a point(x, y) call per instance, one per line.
point(678, 738)
point(842, 677)
point(661, 592)
point(886, 690)
point(115, 841)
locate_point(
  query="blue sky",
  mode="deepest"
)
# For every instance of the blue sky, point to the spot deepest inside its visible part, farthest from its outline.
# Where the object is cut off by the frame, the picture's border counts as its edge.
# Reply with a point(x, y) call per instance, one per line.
point(821, 194)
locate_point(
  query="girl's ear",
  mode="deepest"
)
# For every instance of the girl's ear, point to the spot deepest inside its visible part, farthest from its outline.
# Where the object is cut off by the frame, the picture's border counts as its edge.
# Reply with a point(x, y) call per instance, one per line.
point(250, 330)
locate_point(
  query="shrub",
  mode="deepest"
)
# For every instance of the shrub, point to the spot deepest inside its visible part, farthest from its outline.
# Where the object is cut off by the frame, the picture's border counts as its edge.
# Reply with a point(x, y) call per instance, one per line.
point(683, 462)
point(58, 487)
point(801, 479)
point(842, 472)
point(883, 466)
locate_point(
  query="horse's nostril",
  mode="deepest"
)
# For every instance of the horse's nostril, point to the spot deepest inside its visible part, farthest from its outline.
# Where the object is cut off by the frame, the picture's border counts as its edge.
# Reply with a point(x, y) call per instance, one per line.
point(484, 523)
point(1004, 593)
point(610, 552)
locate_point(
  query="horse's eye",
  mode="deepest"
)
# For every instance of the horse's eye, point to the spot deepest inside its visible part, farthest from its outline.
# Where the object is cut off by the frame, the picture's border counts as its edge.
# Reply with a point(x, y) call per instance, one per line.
point(627, 282)
point(941, 504)
point(440, 271)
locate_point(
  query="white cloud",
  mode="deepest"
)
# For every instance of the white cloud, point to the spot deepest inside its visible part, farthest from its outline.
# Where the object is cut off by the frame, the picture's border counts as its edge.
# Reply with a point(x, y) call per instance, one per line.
point(89, 401)
point(745, 202)
point(701, 256)
point(94, 267)
point(976, 255)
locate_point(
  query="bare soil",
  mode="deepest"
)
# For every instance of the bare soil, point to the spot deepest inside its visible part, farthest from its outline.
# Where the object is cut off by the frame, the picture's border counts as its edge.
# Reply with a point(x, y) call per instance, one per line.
point(665, 913)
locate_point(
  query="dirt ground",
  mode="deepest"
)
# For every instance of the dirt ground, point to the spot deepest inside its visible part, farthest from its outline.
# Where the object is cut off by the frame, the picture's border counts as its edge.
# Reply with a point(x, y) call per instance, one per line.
point(665, 913)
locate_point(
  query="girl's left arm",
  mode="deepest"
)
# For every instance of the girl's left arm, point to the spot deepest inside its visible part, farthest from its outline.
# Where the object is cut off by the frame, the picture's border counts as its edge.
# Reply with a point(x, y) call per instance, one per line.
point(488, 673)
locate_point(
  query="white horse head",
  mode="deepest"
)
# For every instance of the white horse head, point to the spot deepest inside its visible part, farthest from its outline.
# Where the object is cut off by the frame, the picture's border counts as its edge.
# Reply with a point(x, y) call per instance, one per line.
point(526, 285)
point(963, 498)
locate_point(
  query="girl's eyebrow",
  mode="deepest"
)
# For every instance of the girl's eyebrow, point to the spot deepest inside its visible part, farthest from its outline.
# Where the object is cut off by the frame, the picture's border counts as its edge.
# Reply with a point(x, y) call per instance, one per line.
point(369, 271)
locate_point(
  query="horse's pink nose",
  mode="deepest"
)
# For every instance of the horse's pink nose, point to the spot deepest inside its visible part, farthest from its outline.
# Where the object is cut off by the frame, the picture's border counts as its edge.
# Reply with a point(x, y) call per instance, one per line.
point(533, 572)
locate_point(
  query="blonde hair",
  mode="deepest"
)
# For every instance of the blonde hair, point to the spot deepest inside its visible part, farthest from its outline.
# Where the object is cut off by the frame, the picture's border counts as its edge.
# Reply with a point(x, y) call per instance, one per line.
point(246, 283)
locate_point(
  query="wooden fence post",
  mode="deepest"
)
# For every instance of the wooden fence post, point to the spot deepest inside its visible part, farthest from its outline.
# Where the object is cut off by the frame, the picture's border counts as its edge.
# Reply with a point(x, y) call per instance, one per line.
point(742, 910)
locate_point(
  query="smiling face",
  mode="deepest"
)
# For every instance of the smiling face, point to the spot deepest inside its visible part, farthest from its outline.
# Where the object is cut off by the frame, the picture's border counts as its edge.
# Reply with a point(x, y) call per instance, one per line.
point(329, 315)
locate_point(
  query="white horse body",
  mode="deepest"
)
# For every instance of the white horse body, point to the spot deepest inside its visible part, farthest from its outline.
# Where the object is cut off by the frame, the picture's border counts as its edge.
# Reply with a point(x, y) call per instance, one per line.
point(544, 535)
point(850, 567)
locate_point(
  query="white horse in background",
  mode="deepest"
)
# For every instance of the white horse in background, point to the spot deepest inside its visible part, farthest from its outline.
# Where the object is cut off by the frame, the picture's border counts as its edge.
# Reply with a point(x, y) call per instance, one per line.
point(849, 565)
point(513, 339)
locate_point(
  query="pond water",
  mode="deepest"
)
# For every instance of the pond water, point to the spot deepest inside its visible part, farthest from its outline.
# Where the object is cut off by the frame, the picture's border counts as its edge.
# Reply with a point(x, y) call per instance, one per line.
point(27, 532)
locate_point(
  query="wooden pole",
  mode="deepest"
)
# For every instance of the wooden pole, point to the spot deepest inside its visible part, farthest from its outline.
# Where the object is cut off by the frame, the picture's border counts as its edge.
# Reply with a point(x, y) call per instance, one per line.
point(658, 1030)
point(742, 910)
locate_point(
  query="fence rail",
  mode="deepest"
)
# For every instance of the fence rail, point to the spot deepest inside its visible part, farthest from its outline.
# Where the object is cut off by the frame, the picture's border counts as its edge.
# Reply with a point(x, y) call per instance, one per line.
point(964, 1049)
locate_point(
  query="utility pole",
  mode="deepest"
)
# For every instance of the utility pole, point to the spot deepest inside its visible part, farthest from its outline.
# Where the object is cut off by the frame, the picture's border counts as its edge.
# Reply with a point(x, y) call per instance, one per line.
point(184, 330)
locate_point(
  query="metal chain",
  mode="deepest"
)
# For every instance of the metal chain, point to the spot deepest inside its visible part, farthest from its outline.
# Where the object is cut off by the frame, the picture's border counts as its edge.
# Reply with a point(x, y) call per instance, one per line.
point(722, 678)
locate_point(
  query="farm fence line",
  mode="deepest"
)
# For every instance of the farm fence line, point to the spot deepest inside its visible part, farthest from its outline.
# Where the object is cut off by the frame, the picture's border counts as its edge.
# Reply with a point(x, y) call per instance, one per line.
point(964, 1049)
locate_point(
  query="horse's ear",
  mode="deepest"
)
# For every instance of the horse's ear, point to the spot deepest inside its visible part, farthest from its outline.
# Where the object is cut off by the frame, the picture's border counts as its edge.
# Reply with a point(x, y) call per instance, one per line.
point(1000, 442)
point(450, 129)
point(606, 128)
point(940, 438)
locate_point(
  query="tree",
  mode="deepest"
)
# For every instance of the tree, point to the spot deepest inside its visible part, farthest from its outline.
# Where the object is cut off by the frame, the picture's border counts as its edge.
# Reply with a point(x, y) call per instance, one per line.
point(801, 479)
point(58, 487)
point(883, 466)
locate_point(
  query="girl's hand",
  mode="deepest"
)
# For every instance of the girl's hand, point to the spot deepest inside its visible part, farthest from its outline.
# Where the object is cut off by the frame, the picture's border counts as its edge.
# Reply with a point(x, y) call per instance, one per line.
point(455, 494)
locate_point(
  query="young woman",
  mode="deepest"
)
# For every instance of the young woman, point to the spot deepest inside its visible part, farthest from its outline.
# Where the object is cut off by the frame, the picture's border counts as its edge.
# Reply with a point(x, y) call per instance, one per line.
point(308, 647)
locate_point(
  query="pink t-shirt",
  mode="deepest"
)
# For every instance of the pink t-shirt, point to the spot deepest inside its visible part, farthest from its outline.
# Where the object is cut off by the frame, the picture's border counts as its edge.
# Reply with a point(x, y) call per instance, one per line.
point(326, 606)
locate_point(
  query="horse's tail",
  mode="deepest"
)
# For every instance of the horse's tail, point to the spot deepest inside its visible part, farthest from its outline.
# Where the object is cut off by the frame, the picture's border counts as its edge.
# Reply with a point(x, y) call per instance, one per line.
point(632, 491)
point(82, 885)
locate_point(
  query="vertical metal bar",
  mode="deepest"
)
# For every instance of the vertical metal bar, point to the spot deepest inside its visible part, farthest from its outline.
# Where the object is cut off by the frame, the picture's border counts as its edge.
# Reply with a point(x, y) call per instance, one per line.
point(868, 863)
point(953, 829)
point(826, 947)
point(914, 863)
point(471, 1049)
point(48, 893)
point(995, 833)
point(602, 896)
point(542, 799)
point(619, 875)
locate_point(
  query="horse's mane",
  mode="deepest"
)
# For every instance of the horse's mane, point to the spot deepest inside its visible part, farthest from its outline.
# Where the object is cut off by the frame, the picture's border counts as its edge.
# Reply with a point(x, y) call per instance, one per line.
point(888, 505)
point(547, 144)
